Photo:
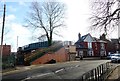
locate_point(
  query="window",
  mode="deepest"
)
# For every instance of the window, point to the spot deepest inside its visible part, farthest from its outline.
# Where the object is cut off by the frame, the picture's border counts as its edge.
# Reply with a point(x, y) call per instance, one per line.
point(102, 45)
point(89, 44)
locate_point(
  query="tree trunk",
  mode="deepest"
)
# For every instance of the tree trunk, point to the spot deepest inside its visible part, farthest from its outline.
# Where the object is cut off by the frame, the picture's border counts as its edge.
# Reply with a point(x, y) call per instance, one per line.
point(50, 39)
point(49, 42)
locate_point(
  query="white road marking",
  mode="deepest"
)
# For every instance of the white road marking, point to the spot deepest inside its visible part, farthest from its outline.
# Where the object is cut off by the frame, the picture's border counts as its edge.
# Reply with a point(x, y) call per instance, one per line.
point(59, 70)
point(66, 68)
point(77, 65)
point(35, 76)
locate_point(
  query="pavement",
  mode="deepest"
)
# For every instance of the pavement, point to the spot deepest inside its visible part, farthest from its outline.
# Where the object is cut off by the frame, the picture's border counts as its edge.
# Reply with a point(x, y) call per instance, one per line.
point(114, 75)
point(19, 69)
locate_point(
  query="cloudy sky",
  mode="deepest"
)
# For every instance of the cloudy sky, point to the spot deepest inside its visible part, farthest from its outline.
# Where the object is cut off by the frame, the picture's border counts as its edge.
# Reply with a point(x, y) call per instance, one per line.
point(78, 12)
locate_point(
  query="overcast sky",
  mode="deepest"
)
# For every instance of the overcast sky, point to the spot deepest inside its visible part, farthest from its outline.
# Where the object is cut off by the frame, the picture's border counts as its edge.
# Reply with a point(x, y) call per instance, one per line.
point(78, 12)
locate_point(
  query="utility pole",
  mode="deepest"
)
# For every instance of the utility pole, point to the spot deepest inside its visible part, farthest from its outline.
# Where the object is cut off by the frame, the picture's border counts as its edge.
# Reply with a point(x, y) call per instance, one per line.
point(119, 27)
point(1, 49)
point(119, 21)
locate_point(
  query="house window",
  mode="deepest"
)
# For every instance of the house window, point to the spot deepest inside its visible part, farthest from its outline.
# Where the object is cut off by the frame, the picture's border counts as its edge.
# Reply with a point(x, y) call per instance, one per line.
point(90, 53)
point(89, 45)
point(95, 46)
point(102, 45)
point(79, 53)
point(103, 53)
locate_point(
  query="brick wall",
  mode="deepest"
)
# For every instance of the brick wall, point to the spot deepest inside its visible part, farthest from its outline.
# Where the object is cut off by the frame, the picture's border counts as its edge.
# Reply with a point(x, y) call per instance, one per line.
point(96, 48)
point(60, 56)
point(97, 51)
point(85, 44)
point(6, 50)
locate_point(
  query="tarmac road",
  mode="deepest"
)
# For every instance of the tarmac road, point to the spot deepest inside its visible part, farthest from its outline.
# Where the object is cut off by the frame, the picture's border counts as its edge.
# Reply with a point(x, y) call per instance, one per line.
point(66, 70)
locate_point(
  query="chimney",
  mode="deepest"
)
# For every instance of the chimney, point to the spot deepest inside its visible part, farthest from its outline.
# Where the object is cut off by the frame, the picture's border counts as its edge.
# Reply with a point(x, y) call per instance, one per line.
point(79, 36)
point(103, 37)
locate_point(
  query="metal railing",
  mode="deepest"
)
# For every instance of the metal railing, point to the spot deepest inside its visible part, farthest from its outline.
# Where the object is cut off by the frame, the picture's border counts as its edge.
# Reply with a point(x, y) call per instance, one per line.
point(97, 74)
point(40, 53)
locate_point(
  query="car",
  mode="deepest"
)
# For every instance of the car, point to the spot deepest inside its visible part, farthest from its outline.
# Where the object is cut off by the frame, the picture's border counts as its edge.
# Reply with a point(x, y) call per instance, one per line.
point(115, 57)
point(109, 56)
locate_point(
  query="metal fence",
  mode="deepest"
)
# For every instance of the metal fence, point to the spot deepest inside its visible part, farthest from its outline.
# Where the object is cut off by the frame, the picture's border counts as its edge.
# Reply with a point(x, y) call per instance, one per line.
point(56, 46)
point(97, 74)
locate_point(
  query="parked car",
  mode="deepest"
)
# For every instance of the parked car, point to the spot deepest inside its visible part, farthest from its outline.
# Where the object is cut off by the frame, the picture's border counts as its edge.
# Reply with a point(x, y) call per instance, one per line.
point(115, 57)
point(109, 56)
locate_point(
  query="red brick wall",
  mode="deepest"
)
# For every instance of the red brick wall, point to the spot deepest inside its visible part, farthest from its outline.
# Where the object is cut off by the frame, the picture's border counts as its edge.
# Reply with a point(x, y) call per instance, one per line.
point(85, 44)
point(96, 48)
point(97, 51)
point(6, 50)
point(60, 56)
point(106, 48)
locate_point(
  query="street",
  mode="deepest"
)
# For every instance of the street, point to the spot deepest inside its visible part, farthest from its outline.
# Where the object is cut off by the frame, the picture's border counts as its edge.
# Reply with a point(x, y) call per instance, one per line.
point(66, 70)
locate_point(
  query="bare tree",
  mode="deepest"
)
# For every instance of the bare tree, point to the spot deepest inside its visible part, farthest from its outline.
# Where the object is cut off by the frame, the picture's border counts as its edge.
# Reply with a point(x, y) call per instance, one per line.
point(42, 38)
point(105, 15)
point(47, 16)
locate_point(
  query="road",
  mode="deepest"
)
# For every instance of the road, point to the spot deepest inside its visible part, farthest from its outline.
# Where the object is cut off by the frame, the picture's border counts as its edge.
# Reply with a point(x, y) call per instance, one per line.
point(66, 70)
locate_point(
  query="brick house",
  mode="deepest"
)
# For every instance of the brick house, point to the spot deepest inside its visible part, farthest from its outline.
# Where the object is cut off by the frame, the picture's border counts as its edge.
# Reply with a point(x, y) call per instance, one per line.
point(115, 46)
point(6, 50)
point(100, 48)
point(90, 46)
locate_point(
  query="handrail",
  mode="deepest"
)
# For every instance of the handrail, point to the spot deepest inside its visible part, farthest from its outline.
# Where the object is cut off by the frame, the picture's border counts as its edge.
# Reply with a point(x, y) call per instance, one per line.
point(41, 52)
point(97, 74)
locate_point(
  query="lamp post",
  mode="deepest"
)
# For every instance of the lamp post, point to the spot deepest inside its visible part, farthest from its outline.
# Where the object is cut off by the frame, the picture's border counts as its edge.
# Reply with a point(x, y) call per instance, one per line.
point(1, 49)
point(118, 27)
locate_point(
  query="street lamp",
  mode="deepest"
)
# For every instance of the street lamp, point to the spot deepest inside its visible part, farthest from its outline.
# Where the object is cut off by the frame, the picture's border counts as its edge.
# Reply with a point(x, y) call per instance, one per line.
point(1, 47)
point(1, 50)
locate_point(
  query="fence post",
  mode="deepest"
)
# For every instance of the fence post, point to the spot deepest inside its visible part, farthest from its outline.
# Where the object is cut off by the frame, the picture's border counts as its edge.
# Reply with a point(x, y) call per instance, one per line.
point(92, 75)
point(81, 78)
point(100, 73)
point(103, 68)
point(107, 67)
point(95, 74)
point(86, 77)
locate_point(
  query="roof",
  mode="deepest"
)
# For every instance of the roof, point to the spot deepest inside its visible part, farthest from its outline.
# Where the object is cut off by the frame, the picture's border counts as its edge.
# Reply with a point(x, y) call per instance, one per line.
point(82, 39)
point(99, 40)
point(114, 40)
point(80, 46)
point(102, 41)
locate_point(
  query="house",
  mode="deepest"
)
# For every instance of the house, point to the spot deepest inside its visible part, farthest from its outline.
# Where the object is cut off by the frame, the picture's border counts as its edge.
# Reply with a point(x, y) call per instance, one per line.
point(71, 50)
point(90, 46)
point(84, 45)
point(100, 48)
point(115, 45)
point(6, 50)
